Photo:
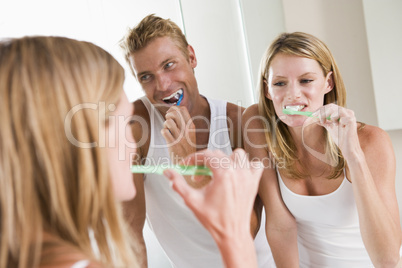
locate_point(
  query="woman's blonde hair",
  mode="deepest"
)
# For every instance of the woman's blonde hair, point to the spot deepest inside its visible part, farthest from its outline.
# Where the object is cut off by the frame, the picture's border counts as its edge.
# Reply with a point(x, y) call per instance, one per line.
point(48, 184)
point(279, 139)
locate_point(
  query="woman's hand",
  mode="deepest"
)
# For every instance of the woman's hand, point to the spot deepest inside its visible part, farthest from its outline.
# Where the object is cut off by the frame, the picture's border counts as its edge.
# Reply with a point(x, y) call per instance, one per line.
point(341, 125)
point(227, 201)
point(224, 206)
point(371, 169)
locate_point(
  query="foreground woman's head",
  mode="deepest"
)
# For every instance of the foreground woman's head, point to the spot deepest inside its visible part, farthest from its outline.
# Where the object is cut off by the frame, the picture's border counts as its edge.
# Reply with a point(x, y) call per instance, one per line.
point(58, 96)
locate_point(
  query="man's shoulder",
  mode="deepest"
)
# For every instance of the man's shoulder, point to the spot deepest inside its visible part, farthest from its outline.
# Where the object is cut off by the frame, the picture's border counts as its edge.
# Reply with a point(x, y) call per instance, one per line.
point(234, 111)
point(141, 118)
point(140, 109)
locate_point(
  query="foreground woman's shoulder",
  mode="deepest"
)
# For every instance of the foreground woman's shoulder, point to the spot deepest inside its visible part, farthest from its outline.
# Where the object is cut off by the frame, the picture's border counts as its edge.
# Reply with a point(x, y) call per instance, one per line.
point(62, 254)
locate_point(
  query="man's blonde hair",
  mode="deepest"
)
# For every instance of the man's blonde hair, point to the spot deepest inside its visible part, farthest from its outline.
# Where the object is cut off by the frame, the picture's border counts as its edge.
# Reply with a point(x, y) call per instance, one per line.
point(150, 28)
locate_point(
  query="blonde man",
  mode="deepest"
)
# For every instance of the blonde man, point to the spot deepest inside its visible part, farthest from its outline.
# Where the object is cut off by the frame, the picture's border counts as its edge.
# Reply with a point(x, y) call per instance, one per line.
point(173, 121)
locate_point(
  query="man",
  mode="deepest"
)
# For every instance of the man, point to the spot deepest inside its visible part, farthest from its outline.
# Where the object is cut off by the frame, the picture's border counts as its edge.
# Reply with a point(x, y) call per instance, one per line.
point(172, 121)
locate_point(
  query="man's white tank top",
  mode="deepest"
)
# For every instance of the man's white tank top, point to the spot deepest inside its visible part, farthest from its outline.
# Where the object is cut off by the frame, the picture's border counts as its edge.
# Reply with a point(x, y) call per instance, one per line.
point(327, 227)
point(185, 241)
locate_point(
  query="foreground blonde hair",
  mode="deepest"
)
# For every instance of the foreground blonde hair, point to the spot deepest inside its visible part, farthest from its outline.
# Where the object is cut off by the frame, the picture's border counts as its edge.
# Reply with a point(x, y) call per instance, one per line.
point(48, 185)
point(279, 139)
point(150, 28)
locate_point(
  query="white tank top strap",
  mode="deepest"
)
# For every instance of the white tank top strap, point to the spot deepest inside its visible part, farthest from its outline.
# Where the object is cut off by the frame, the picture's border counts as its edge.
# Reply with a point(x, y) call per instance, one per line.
point(219, 131)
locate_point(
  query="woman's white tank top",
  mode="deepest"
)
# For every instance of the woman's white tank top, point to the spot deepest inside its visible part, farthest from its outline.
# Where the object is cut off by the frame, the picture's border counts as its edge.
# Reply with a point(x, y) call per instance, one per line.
point(328, 228)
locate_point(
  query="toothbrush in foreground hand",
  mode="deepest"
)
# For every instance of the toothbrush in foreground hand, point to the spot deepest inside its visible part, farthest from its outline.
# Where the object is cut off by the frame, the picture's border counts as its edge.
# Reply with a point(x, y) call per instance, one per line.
point(181, 169)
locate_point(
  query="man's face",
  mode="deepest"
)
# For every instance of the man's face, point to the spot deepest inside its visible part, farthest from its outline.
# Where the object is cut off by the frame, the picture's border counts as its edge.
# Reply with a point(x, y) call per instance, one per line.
point(166, 74)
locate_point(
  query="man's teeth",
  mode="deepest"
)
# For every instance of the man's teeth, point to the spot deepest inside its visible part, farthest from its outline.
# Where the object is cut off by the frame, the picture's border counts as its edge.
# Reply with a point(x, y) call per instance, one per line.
point(176, 95)
point(295, 107)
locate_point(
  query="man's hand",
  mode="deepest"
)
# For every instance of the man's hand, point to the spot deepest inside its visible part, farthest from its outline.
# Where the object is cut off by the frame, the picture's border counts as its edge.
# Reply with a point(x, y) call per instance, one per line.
point(180, 133)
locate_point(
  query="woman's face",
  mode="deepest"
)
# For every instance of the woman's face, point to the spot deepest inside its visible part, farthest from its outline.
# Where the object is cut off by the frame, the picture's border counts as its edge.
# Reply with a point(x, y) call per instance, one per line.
point(296, 82)
point(120, 147)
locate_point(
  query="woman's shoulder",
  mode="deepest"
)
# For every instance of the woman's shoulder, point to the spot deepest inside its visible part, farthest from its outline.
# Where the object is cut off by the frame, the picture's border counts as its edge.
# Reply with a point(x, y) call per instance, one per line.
point(69, 259)
point(74, 264)
point(375, 142)
point(58, 253)
point(251, 117)
point(370, 135)
point(251, 110)
point(86, 264)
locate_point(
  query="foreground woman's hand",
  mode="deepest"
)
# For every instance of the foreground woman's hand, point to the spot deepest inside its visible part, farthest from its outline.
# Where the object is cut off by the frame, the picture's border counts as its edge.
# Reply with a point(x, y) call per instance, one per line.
point(224, 206)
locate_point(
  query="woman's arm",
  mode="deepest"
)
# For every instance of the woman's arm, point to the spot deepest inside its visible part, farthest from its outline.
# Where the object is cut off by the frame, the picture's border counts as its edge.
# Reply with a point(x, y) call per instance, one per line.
point(280, 226)
point(371, 169)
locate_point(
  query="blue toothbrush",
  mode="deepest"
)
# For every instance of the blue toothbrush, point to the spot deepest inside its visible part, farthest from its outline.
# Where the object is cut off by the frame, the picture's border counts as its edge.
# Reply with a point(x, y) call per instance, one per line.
point(180, 99)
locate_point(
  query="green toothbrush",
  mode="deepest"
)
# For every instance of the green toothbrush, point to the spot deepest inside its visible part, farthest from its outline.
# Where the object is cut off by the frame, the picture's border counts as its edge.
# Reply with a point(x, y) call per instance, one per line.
point(306, 113)
point(295, 112)
point(181, 169)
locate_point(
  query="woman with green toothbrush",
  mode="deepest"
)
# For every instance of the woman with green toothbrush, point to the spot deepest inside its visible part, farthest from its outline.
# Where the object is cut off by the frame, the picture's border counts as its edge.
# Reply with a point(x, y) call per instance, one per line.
point(330, 201)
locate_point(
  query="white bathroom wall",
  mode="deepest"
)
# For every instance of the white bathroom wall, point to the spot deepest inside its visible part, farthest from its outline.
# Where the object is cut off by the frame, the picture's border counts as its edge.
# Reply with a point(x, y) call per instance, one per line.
point(383, 23)
point(215, 29)
point(263, 21)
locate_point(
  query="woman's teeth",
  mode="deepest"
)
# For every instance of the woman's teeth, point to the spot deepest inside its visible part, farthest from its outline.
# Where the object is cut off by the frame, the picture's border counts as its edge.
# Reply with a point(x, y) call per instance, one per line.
point(295, 107)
